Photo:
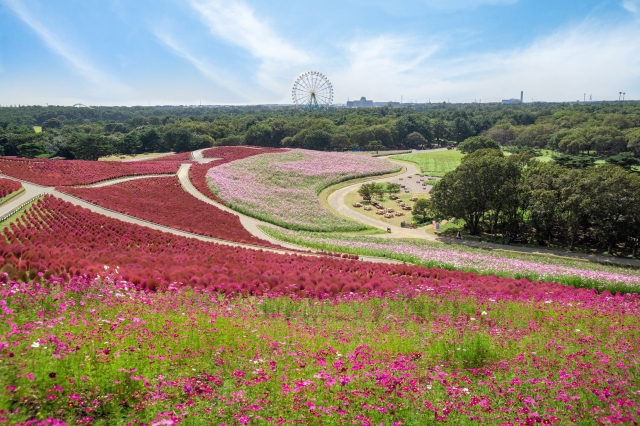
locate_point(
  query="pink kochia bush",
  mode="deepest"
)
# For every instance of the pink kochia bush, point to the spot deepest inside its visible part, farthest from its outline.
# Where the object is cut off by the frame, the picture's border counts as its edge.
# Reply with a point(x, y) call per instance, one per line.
point(283, 188)
point(163, 201)
point(8, 187)
point(79, 172)
point(223, 155)
point(97, 351)
point(59, 239)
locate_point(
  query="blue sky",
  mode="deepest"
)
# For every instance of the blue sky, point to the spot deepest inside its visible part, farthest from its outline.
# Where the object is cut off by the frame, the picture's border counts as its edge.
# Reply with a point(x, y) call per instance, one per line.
point(140, 52)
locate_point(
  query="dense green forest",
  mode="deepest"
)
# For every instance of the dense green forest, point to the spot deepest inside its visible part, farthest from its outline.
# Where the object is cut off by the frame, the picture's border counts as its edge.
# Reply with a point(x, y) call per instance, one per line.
point(517, 198)
point(580, 133)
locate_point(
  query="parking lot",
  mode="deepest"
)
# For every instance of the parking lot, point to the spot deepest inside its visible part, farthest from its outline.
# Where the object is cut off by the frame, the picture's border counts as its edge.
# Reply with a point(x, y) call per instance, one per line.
point(414, 184)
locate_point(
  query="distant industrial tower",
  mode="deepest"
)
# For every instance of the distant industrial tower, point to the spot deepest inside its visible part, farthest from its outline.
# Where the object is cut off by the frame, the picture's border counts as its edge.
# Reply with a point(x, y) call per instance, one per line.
point(513, 100)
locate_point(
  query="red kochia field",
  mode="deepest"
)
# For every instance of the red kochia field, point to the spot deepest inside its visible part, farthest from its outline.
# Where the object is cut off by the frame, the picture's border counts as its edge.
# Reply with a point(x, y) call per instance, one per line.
point(233, 153)
point(163, 201)
point(8, 186)
point(78, 172)
point(58, 238)
point(319, 340)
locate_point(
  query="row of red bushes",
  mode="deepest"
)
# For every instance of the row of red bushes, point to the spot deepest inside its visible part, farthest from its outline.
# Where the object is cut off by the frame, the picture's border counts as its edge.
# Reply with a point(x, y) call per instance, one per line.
point(182, 157)
point(79, 172)
point(232, 153)
point(58, 238)
point(8, 186)
point(163, 200)
point(198, 177)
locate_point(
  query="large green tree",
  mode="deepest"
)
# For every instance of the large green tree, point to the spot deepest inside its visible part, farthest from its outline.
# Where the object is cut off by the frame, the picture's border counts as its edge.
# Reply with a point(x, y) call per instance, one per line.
point(318, 140)
point(475, 143)
point(89, 146)
point(259, 135)
point(536, 135)
point(470, 191)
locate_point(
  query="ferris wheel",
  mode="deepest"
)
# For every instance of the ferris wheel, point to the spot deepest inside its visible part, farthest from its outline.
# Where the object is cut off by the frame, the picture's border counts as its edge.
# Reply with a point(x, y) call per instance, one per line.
point(312, 90)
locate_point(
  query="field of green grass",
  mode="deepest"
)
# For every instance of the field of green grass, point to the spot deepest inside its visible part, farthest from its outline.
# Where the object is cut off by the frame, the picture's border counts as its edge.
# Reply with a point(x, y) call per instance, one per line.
point(37, 129)
point(434, 163)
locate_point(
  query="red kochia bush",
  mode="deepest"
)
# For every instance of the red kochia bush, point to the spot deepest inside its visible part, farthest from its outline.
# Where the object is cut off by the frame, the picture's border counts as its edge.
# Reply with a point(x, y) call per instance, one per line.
point(8, 186)
point(163, 201)
point(182, 157)
point(226, 154)
point(233, 153)
point(79, 172)
point(56, 237)
point(198, 177)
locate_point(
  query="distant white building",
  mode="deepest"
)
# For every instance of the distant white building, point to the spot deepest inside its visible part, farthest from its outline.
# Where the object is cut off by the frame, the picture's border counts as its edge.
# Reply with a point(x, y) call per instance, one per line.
point(365, 103)
point(514, 101)
point(362, 103)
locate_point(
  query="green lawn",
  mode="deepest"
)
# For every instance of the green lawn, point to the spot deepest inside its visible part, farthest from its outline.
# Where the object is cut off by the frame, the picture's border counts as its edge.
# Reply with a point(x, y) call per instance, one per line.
point(37, 129)
point(434, 163)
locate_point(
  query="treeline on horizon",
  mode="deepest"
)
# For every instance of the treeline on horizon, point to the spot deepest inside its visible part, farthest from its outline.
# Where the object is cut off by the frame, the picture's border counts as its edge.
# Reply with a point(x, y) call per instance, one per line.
point(581, 133)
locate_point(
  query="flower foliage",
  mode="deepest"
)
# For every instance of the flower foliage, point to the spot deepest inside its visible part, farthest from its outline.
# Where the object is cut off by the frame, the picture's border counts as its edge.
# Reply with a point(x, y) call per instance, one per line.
point(227, 154)
point(96, 351)
point(182, 157)
point(57, 238)
point(223, 155)
point(163, 201)
point(283, 188)
point(79, 172)
point(8, 187)
point(549, 268)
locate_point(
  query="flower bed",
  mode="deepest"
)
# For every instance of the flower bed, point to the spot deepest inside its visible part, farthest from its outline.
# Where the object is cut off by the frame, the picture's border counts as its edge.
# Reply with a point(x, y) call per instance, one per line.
point(56, 237)
point(78, 172)
point(198, 177)
point(99, 352)
point(382, 153)
point(164, 201)
point(283, 188)
point(233, 153)
point(8, 187)
point(181, 157)
point(225, 154)
point(535, 267)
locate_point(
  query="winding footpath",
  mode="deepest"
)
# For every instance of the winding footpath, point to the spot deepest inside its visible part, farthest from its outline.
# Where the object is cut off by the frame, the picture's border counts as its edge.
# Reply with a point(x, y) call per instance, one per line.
point(336, 201)
point(33, 190)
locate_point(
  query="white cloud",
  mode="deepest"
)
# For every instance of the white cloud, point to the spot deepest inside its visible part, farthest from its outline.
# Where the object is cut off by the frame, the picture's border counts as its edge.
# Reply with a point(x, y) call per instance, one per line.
point(632, 6)
point(465, 4)
point(222, 79)
point(101, 80)
point(237, 23)
point(381, 66)
point(592, 58)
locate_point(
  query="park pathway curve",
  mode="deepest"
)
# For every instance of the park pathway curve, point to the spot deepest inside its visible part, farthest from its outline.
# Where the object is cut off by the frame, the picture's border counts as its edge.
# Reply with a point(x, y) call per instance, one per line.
point(337, 202)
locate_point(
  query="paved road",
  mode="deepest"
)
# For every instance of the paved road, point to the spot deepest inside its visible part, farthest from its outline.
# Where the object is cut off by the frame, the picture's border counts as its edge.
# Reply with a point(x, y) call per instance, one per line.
point(121, 180)
point(199, 157)
point(336, 201)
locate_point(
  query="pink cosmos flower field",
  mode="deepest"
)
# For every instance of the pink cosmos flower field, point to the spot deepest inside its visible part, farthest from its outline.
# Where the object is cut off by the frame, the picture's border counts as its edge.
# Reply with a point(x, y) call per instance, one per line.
point(283, 188)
